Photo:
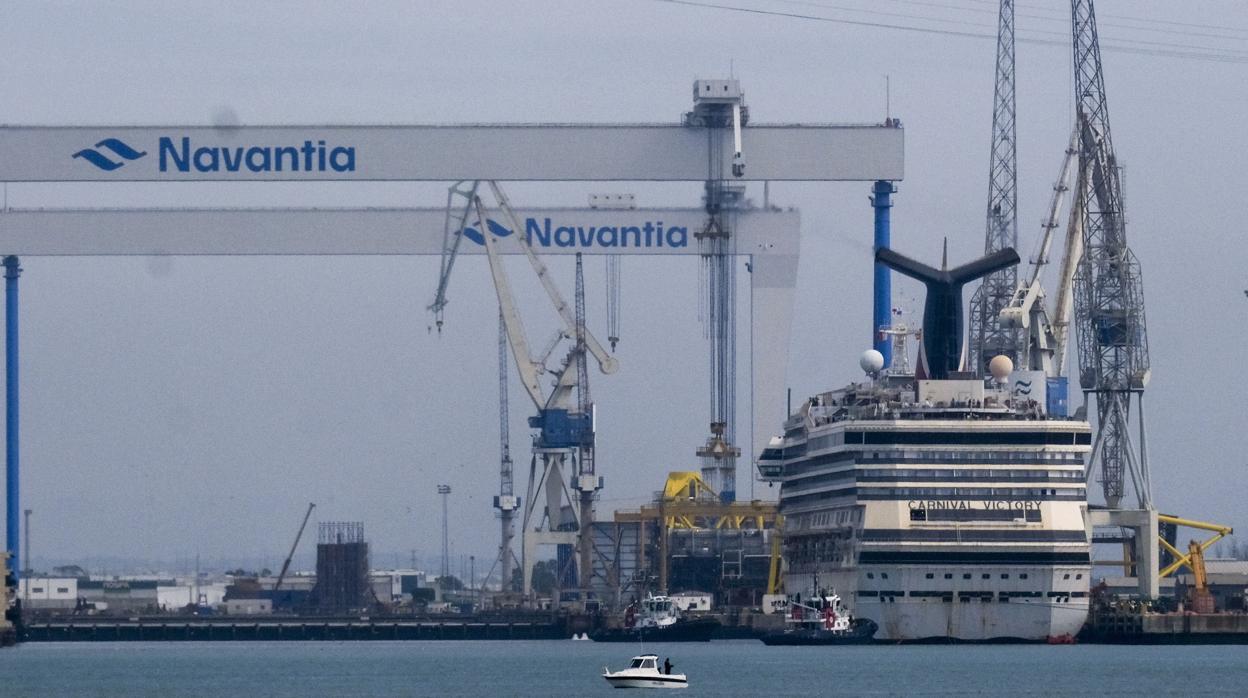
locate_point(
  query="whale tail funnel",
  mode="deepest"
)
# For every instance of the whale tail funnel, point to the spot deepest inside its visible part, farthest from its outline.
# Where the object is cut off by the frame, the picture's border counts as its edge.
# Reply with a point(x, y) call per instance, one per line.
point(941, 350)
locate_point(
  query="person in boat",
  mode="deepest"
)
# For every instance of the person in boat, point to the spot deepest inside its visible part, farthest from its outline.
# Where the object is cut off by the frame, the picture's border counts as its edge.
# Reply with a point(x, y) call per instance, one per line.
point(667, 665)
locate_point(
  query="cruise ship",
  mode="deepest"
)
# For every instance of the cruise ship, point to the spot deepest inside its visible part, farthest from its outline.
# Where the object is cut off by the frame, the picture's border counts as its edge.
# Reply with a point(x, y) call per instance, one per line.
point(940, 505)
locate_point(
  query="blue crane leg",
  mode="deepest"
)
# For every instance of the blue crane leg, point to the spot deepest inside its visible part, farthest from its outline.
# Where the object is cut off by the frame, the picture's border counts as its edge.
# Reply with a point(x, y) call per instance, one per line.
point(882, 202)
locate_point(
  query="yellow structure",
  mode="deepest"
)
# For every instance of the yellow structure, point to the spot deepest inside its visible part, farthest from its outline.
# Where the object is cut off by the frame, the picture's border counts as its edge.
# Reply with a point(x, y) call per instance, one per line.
point(1185, 560)
point(687, 502)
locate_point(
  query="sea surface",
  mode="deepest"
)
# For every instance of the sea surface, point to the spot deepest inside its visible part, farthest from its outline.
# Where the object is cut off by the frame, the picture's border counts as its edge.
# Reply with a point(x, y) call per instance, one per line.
point(568, 668)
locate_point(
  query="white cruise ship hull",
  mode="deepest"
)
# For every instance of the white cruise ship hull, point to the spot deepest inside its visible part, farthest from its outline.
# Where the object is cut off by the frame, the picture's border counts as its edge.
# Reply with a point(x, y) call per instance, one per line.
point(942, 530)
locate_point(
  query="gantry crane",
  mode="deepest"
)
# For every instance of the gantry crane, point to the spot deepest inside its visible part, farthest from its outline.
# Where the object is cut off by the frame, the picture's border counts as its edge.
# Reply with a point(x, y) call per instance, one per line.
point(988, 337)
point(565, 438)
point(1109, 292)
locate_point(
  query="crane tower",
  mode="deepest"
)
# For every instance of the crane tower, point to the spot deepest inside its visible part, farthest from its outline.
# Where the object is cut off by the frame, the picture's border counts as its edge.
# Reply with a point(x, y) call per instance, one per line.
point(506, 501)
point(988, 337)
point(719, 105)
point(1109, 293)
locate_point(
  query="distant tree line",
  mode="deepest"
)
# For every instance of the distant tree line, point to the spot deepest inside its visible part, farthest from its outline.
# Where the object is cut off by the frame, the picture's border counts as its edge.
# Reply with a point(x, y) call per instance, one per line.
point(1230, 548)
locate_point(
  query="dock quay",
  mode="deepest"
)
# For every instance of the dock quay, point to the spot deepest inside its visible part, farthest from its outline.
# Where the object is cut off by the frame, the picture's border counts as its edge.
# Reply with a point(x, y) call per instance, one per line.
point(1166, 628)
point(164, 629)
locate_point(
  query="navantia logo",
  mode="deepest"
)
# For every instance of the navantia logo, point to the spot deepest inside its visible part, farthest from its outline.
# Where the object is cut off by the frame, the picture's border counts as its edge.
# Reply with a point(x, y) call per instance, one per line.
point(544, 233)
point(183, 155)
point(115, 148)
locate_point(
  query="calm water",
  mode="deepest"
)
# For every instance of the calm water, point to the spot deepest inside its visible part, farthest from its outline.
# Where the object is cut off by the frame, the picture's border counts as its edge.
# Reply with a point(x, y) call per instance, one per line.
point(722, 668)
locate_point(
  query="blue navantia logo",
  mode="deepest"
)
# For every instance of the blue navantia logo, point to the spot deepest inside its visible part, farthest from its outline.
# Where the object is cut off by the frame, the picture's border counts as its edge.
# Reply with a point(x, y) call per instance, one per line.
point(118, 149)
point(545, 233)
point(181, 154)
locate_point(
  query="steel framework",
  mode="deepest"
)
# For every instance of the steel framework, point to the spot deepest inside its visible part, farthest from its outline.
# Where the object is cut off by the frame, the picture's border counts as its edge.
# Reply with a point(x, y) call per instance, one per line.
point(1109, 293)
point(988, 337)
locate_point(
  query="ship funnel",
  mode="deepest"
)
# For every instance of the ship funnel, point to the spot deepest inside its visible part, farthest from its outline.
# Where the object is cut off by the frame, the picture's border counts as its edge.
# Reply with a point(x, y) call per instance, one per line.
point(941, 351)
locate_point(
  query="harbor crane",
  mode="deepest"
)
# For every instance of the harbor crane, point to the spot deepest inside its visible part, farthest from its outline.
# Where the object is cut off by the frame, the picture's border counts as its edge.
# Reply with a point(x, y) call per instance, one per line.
point(1109, 291)
point(564, 422)
point(987, 336)
point(506, 502)
point(1044, 335)
point(281, 576)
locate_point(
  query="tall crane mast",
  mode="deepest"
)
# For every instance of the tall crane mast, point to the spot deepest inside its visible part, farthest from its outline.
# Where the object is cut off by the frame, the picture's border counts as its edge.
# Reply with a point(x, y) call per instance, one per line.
point(281, 576)
point(1109, 295)
point(586, 478)
point(506, 501)
point(719, 105)
point(988, 337)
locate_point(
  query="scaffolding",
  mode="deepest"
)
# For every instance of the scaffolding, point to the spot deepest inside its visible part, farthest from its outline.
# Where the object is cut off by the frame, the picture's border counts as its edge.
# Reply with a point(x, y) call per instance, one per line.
point(341, 567)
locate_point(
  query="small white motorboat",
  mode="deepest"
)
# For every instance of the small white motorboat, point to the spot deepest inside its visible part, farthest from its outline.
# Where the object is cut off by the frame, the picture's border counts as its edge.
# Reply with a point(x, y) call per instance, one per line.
point(643, 672)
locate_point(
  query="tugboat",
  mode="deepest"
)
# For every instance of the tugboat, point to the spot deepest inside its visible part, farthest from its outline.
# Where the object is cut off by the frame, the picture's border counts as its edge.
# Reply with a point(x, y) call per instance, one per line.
point(657, 619)
point(643, 672)
point(821, 620)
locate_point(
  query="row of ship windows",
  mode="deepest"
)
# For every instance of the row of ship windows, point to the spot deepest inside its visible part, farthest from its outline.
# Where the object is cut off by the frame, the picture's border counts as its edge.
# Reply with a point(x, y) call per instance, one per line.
point(1028, 515)
point(968, 575)
point(983, 596)
point(973, 456)
point(906, 493)
point(834, 517)
point(810, 481)
point(942, 438)
point(947, 474)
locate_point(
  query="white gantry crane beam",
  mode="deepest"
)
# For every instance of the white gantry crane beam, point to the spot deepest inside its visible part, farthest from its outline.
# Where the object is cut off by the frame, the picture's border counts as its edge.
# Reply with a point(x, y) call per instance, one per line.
point(658, 152)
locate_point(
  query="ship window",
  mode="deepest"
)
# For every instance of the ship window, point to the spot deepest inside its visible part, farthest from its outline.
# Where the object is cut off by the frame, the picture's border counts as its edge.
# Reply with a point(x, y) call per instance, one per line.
point(1078, 576)
point(1005, 576)
point(1066, 576)
point(37, 590)
point(870, 575)
point(948, 575)
point(884, 575)
point(967, 575)
point(965, 599)
point(62, 590)
point(918, 515)
point(929, 575)
point(986, 576)
point(1023, 575)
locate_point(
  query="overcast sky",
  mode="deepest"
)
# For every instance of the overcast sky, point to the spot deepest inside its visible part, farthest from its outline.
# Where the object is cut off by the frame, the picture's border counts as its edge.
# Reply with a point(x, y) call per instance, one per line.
point(175, 406)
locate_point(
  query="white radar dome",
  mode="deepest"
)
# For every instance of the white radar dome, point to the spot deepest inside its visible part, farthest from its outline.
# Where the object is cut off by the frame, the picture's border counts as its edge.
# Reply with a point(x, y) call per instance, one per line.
point(871, 361)
point(1000, 367)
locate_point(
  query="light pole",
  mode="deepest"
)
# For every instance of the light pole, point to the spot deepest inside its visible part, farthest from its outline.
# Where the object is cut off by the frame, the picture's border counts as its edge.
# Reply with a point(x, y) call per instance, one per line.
point(444, 490)
point(26, 572)
point(472, 578)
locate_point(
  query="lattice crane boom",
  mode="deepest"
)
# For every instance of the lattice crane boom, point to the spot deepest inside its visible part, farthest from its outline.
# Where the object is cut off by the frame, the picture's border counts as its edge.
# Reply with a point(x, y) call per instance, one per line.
point(1109, 299)
point(988, 337)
